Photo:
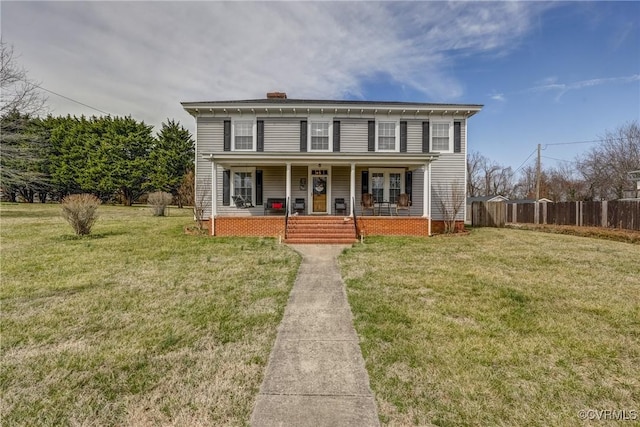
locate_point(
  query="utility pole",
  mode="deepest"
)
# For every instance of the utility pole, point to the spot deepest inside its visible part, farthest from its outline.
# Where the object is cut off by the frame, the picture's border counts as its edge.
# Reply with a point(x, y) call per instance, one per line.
point(538, 175)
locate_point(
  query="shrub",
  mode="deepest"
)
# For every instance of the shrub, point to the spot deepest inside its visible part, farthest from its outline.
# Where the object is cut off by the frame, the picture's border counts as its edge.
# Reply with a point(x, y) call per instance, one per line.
point(80, 211)
point(159, 202)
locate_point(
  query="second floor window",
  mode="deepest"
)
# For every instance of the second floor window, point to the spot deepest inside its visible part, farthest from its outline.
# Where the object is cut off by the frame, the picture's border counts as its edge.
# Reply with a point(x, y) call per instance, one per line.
point(319, 136)
point(243, 135)
point(440, 137)
point(387, 136)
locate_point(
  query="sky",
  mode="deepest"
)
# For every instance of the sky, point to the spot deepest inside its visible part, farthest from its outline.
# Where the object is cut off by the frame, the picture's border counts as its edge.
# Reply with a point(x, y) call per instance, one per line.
point(546, 73)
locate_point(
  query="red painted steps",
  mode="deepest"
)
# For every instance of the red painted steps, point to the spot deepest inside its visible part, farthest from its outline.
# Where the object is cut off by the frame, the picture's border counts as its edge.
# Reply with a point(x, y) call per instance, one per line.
point(320, 230)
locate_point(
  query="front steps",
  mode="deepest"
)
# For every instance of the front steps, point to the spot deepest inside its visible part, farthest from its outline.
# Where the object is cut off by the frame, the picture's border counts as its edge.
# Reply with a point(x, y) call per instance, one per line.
point(320, 230)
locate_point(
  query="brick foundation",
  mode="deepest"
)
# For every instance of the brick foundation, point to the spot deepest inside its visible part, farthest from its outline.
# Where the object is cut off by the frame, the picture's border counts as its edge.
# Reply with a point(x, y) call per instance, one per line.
point(265, 226)
point(386, 226)
point(258, 226)
point(437, 227)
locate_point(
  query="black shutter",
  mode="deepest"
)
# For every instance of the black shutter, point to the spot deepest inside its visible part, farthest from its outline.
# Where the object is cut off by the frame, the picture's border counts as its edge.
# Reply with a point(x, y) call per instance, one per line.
point(457, 140)
point(227, 135)
point(260, 142)
point(408, 181)
point(403, 137)
point(365, 182)
point(258, 187)
point(336, 136)
point(303, 136)
point(226, 187)
point(425, 137)
point(372, 135)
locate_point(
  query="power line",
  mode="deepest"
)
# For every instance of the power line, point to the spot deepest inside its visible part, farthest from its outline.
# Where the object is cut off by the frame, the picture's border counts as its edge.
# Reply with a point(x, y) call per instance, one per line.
point(66, 97)
point(559, 160)
point(525, 161)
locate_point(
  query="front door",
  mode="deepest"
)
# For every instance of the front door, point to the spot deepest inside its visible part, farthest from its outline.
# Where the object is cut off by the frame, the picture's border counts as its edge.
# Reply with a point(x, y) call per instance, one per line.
point(319, 190)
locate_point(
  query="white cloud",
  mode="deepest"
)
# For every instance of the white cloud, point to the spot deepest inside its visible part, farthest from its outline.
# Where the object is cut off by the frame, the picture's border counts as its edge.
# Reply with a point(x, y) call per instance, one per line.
point(551, 84)
point(144, 58)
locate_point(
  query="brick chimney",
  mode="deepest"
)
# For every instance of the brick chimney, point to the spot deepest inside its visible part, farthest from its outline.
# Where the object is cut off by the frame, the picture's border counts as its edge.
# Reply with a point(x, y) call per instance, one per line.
point(276, 95)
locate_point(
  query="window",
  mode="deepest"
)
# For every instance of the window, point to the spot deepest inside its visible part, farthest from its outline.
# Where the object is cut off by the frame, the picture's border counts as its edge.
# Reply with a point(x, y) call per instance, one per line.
point(387, 136)
point(242, 183)
point(386, 184)
point(440, 138)
point(377, 186)
point(243, 135)
point(319, 136)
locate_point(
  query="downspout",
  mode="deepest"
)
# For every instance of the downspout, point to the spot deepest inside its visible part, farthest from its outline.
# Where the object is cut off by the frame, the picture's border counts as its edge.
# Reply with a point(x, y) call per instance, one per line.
point(429, 197)
point(214, 195)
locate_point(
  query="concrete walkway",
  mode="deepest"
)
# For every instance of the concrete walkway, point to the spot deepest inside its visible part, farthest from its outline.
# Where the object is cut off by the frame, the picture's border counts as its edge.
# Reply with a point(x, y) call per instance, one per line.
point(316, 375)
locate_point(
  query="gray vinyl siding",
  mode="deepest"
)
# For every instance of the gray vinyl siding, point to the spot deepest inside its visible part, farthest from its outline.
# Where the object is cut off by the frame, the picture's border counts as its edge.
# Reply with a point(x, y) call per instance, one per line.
point(273, 185)
point(353, 135)
point(416, 192)
point(281, 135)
point(340, 180)
point(449, 170)
point(209, 139)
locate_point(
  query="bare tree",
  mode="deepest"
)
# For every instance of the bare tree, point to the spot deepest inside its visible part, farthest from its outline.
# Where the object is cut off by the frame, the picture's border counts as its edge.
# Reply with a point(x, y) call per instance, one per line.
point(474, 180)
point(605, 167)
point(201, 201)
point(18, 91)
point(451, 198)
point(486, 177)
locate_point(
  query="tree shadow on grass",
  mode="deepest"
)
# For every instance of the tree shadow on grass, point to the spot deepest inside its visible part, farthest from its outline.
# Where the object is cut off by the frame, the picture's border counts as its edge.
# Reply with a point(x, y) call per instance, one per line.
point(88, 237)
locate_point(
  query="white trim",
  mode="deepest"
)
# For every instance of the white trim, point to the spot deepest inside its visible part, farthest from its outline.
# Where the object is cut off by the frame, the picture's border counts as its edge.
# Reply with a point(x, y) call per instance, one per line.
point(386, 185)
point(233, 170)
point(431, 129)
point(396, 123)
point(254, 133)
point(310, 189)
point(320, 119)
point(352, 190)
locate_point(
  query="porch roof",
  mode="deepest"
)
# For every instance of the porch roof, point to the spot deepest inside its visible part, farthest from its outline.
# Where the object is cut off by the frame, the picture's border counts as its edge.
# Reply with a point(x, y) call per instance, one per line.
point(295, 158)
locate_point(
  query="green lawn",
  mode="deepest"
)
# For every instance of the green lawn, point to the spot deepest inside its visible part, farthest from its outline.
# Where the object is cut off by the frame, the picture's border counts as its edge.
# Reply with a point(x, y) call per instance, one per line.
point(501, 327)
point(137, 324)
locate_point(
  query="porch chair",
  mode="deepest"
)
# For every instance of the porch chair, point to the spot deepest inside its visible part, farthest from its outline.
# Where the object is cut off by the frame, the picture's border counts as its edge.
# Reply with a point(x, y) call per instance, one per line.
point(403, 203)
point(241, 202)
point(299, 206)
point(340, 206)
point(366, 203)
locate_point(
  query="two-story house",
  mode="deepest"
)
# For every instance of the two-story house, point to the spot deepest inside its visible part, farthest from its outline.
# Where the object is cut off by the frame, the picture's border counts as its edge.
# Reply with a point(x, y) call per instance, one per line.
point(261, 163)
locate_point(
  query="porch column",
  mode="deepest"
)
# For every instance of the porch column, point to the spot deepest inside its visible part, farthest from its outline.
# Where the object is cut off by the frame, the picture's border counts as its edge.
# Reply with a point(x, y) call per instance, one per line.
point(352, 190)
point(288, 189)
point(426, 210)
point(214, 195)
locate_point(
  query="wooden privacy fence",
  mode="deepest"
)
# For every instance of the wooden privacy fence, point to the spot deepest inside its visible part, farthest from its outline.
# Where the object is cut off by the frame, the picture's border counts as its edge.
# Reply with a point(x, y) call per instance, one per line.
point(488, 214)
point(611, 214)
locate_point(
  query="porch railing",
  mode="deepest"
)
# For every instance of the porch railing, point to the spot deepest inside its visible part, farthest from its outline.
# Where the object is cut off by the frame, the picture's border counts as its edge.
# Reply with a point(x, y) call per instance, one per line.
point(355, 217)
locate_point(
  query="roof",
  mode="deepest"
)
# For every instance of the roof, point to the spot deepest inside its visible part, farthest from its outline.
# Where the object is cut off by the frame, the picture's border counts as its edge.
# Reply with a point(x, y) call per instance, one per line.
point(494, 198)
point(343, 106)
point(542, 200)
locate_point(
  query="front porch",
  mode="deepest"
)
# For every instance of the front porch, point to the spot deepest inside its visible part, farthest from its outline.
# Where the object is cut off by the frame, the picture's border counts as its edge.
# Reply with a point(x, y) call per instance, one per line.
point(320, 229)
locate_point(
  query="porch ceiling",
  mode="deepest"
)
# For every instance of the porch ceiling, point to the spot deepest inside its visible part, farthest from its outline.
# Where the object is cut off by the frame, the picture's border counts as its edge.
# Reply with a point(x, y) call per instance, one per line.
point(294, 158)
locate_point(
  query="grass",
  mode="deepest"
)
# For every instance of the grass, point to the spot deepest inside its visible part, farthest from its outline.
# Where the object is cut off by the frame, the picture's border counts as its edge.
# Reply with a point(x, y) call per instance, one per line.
point(136, 324)
point(501, 327)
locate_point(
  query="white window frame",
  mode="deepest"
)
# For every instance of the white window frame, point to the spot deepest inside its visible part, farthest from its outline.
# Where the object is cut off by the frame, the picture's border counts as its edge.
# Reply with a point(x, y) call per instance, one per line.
point(254, 134)
point(232, 190)
point(319, 119)
point(386, 185)
point(431, 135)
point(397, 136)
